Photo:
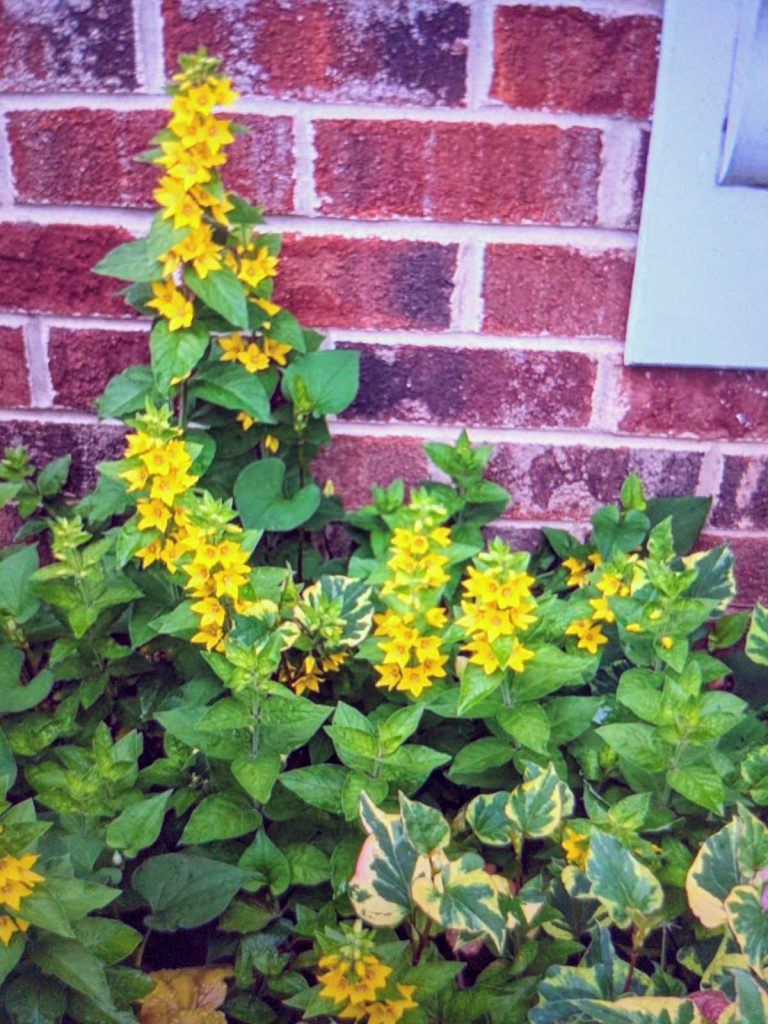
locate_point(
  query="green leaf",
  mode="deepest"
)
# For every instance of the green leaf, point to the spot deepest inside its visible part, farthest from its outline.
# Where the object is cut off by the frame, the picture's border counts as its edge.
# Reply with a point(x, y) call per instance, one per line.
point(70, 962)
point(425, 828)
point(400, 725)
point(220, 816)
point(77, 896)
point(131, 261)
point(308, 864)
point(700, 783)
point(110, 940)
point(550, 670)
point(330, 380)
point(257, 774)
point(127, 392)
point(638, 744)
point(528, 724)
point(318, 785)
point(757, 637)
point(221, 291)
point(53, 476)
point(688, 518)
point(231, 386)
point(289, 721)
point(632, 493)
point(42, 1002)
point(15, 574)
point(716, 577)
point(475, 686)
point(264, 860)
point(10, 955)
point(15, 697)
point(175, 353)
point(411, 765)
point(569, 717)
point(727, 631)
point(285, 328)
point(354, 786)
point(751, 1000)
point(461, 896)
point(614, 530)
point(626, 888)
point(262, 503)
point(488, 752)
point(185, 891)
point(138, 826)
point(43, 910)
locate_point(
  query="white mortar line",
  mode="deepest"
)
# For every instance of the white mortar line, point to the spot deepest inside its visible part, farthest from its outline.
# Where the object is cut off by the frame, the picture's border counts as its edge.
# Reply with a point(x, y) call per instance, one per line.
point(7, 184)
point(620, 155)
point(467, 296)
point(506, 522)
point(497, 113)
point(604, 417)
point(609, 8)
point(53, 321)
point(83, 419)
point(711, 472)
point(595, 239)
point(305, 199)
point(732, 534)
point(148, 33)
point(36, 348)
point(462, 339)
point(480, 54)
point(541, 435)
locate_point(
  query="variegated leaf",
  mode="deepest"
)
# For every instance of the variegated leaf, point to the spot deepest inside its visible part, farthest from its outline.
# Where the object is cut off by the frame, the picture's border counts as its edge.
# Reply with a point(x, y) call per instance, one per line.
point(460, 895)
point(728, 858)
point(749, 923)
point(336, 610)
point(751, 1006)
point(757, 637)
point(627, 889)
point(488, 819)
point(716, 579)
point(535, 807)
point(380, 889)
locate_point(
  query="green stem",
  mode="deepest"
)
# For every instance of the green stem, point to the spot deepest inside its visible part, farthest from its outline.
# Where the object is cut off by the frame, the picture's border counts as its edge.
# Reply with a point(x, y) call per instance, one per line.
point(183, 410)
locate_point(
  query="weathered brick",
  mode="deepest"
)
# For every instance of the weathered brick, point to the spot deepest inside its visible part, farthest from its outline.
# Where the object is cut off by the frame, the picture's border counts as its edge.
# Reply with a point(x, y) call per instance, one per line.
point(742, 503)
point(82, 362)
point(554, 290)
point(67, 46)
point(355, 464)
point(47, 269)
point(9, 524)
point(87, 445)
point(458, 172)
point(695, 403)
point(367, 282)
point(401, 51)
point(14, 380)
point(570, 482)
point(474, 386)
point(751, 565)
point(563, 58)
point(53, 158)
point(639, 179)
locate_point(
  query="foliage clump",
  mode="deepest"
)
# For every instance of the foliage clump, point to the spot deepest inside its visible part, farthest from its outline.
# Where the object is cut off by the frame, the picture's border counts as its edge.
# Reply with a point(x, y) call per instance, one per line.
point(250, 776)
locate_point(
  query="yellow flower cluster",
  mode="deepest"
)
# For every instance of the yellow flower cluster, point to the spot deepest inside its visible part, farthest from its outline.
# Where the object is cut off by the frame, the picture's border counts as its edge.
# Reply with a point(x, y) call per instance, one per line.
point(17, 880)
point(412, 658)
point(576, 847)
point(355, 980)
point(498, 604)
point(311, 671)
point(253, 356)
point(589, 630)
point(206, 552)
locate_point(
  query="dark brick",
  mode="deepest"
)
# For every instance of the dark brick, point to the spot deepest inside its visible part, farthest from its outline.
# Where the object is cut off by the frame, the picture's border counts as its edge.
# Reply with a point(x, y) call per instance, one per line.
point(367, 282)
point(400, 51)
point(473, 386)
point(695, 403)
point(751, 565)
point(562, 58)
point(87, 444)
point(47, 269)
point(570, 482)
point(742, 503)
point(67, 46)
point(14, 380)
point(555, 290)
point(82, 362)
point(355, 464)
point(457, 172)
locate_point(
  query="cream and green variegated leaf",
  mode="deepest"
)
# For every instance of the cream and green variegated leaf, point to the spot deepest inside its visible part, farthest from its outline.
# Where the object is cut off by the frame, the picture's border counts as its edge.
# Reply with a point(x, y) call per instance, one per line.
point(749, 923)
point(716, 579)
point(380, 889)
point(627, 889)
point(488, 819)
point(728, 858)
point(757, 637)
point(460, 894)
point(537, 806)
point(425, 828)
point(336, 610)
point(754, 772)
point(751, 1006)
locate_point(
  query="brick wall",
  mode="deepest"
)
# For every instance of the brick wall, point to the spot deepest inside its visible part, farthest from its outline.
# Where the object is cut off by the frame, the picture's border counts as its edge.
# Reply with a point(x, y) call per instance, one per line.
point(461, 183)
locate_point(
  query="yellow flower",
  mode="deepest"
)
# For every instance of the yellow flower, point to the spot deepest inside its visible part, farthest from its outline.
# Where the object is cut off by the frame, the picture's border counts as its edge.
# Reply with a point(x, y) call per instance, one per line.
point(667, 643)
point(9, 926)
point(253, 270)
point(634, 627)
point(609, 585)
point(231, 346)
point(228, 582)
point(253, 359)
point(150, 554)
point(603, 611)
point(178, 203)
point(271, 443)
point(436, 617)
point(246, 420)
point(167, 488)
point(275, 351)
point(153, 515)
point(211, 637)
point(579, 573)
point(270, 308)
point(211, 612)
point(172, 304)
point(519, 656)
point(138, 443)
point(137, 478)
point(576, 847)
point(590, 635)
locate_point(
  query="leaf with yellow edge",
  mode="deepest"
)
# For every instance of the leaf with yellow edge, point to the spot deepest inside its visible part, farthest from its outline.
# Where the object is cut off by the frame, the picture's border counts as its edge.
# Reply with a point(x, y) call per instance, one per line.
point(190, 995)
point(749, 923)
point(460, 895)
point(536, 807)
point(627, 889)
point(380, 889)
point(728, 858)
point(645, 1010)
point(751, 1006)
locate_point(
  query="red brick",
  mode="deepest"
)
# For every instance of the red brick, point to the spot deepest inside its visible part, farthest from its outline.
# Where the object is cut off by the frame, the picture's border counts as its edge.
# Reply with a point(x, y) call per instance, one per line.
point(458, 172)
point(475, 387)
point(82, 362)
point(53, 158)
point(355, 464)
point(399, 51)
point(570, 482)
point(87, 444)
point(14, 380)
point(563, 58)
point(9, 524)
point(47, 269)
point(367, 282)
point(751, 565)
point(67, 47)
point(695, 403)
point(532, 289)
point(742, 503)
